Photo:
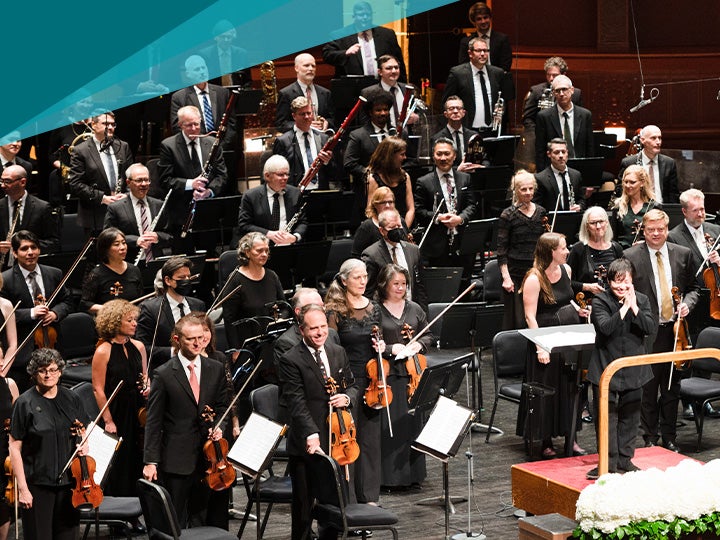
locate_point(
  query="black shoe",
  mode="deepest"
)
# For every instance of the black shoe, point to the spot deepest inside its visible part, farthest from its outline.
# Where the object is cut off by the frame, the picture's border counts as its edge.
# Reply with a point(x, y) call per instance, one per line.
point(628, 467)
point(587, 419)
point(359, 532)
point(670, 445)
point(709, 412)
point(688, 413)
point(649, 443)
point(592, 474)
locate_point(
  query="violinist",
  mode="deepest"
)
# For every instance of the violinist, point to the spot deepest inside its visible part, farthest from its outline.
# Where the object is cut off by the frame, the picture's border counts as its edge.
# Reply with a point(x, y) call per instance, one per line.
point(303, 372)
point(40, 445)
point(119, 357)
point(401, 466)
point(24, 282)
point(636, 199)
point(659, 266)
point(174, 436)
point(8, 395)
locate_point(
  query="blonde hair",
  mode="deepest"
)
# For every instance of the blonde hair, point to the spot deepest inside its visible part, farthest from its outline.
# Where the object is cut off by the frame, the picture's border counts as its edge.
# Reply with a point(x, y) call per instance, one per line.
point(109, 318)
point(519, 176)
point(647, 190)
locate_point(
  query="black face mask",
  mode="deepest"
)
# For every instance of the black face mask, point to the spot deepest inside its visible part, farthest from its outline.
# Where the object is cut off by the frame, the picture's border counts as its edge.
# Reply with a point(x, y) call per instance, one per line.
point(183, 287)
point(396, 235)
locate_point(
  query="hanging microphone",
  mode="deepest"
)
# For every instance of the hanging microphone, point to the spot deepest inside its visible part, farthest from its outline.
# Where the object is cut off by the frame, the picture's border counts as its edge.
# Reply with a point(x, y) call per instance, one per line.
point(654, 93)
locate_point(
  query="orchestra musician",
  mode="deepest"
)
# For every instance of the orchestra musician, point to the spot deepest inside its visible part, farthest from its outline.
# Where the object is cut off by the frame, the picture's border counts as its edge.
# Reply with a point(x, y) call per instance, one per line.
point(557, 179)
point(389, 73)
point(554, 66)
point(40, 445)
point(636, 199)
point(8, 395)
point(369, 232)
point(385, 170)
point(454, 111)
point(180, 390)
point(303, 372)
point(500, 55)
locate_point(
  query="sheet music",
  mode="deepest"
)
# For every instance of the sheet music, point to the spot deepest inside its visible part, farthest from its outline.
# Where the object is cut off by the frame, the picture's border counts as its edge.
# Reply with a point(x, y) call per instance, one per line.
point(257, 439)
point(444, 426)
point(564, 339)
point(102, 449)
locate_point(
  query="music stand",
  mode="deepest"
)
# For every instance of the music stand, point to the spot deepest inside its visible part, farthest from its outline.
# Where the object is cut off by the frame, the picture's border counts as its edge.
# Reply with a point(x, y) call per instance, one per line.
point(298, 262)
point(247, 101)
point(488, 181)
point(216, 214)
point(674, 212)
point(479, 236)
point(321, 205)
point(590, 168)
point(501, 150)
point(442, 283)
point(567, 223)
point(345, 90)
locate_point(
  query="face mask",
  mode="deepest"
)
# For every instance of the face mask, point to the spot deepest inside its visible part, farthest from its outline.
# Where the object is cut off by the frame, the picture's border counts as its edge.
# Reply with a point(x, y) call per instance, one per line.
point(183, 287)
point(396, 235)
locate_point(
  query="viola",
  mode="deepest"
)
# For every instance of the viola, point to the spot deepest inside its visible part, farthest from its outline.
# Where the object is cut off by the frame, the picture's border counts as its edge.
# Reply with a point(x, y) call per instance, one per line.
point(711, 277)
point(86, 492)
point(682, 333)
point(10, 487)
point(343, 446)
point(143, 383)
point(415, 365)
point(220, 474)
point(378, 394)
point(546, 224)
point(44, 336)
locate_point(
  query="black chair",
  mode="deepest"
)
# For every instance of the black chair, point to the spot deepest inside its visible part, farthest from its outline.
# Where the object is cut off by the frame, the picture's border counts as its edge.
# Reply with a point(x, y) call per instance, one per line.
point(227, 262)
point(84, 391)
point(78, 338)
point(264, 400)
point(339, 252)
point(72, 235)
point(699, 390)
point(492, 282)
point(442, 283)
point(331, 509)
point(161, 519)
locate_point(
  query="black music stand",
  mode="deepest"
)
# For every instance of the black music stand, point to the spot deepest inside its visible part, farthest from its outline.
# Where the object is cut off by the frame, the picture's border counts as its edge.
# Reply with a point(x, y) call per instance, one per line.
point(479, 236)
point(247, 101)
point(491, 184)
point(501, 150)
point(322, 205)
point(674, 212)
point(567, 223)
point(299, 262)
point(345, 90)
point(590, 168)
point(218, 214)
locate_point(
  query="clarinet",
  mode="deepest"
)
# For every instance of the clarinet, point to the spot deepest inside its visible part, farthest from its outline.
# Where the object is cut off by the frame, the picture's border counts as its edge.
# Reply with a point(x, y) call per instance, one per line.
point(151, 228)
point(291, 224)
point(3, 257)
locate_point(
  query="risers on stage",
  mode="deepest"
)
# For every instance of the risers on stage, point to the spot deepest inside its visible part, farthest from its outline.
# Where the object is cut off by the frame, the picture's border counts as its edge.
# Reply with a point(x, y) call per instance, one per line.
point(553, 486)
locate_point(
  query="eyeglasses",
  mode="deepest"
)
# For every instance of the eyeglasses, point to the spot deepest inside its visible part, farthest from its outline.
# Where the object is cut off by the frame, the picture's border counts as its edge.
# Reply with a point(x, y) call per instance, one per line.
point(598, 222)
point(7, 182)
point(140, 180)
point(560, 90)
point(108, 124)
point(48, 371)
point(481, 51)
point(386, 203)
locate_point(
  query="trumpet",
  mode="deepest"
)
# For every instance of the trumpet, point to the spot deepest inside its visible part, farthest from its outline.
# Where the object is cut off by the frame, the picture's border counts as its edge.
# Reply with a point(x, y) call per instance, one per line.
point(497, 115)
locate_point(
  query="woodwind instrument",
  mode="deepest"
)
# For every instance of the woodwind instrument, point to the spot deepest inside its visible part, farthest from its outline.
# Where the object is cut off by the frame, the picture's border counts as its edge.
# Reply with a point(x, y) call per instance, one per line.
point(118, 180)
point(400, 121)
point(214, 154)
point(141, 253)
point(16, 218)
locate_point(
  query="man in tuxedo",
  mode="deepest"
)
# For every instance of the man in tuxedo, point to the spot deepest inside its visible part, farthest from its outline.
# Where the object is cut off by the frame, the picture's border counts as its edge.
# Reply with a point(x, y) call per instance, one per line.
point(355, 54)
point(478, 84)
point(480, 16)
point(389, 73)
point(565, 121)
point(662, 169)
point(554, 66)
point(303, 372)
point(319, 98)
point(24, 282)
point(180, 167)
point(97, 166)
point(158, 315)
point(454, 111)
point(268, 208)
point(134, 214)
point(559, 179)
point(660, 265)
point(393, 248)
point(223, 58)
point(21, 211)
point(11, 145)
point(174, 432)
point(451, 188)
point(302, 144)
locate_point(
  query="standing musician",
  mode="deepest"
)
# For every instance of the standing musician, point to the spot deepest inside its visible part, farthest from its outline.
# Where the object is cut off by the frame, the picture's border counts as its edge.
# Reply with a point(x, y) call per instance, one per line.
point(174, 436)
point(636, 199)
point(40, 445)
point(389, 73)
point(303, 372)
point(454, 111)
point(134, 214)
point(24, 282)
point(557, 179)
point(385, 170)
point(660, 266)
point(8, 395)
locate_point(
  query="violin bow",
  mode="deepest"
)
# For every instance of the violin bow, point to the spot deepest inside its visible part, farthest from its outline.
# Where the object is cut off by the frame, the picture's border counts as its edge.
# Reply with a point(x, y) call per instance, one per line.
point(557, 205)
point(432, 222)
point(702, 265)
point(237, 396)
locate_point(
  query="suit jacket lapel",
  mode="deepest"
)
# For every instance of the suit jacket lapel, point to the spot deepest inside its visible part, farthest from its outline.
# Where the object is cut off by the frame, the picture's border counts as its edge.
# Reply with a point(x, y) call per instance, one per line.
point(97, 158)
point(182, 379)
point(691, 241)
point(314, 365)
point(130, 213)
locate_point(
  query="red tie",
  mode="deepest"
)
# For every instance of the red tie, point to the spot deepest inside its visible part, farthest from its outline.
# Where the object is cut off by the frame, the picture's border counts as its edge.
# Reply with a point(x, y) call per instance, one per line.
point(194, 384)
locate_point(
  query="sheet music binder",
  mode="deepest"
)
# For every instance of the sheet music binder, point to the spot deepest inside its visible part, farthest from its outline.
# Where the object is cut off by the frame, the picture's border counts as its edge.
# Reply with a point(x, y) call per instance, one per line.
point(256, 444)
point(445, 429)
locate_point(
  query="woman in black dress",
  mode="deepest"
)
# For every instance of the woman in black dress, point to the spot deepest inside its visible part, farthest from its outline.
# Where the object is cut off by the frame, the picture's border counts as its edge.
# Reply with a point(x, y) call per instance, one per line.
point(519, 228)
point(114, 277)
point(40, 446)
point(8, 395)
point(547, 292)
point(401, 466)
point(636, 199)
point(117, 358)
point(385, 169)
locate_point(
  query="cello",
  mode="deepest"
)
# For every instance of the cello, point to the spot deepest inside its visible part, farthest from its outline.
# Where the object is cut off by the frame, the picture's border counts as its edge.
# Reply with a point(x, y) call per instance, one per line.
point(415, 364)
point(378, 394)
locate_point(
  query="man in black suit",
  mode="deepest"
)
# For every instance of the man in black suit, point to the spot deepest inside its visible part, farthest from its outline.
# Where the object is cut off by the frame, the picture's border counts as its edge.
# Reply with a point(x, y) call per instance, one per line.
point(175, 434)
point(389, 73)
point(11, 145)
point(321, 101)
point(134, 214)
point(355, 54)
point(302, 144)
point(182, 158)
point(447, 186)
point(158, 315)
point(96, 167)
point(24, 282)
point(454, 111)
point(662, 169)
point(478, 85)
point(564, 121)
point(21, 211)
point(393, 248)
point(480, 16)
point(303, 372)
point(554, 66)
point(223, 58)
point(268, 208)
point(559, 179)
point(660, 265)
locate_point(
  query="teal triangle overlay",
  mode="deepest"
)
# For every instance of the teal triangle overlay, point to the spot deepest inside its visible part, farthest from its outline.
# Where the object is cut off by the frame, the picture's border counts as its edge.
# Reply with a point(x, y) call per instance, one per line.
point(144, 39)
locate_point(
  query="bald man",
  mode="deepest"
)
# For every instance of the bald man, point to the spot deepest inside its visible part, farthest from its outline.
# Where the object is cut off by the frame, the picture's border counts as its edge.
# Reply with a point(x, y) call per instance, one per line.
point(320, 98)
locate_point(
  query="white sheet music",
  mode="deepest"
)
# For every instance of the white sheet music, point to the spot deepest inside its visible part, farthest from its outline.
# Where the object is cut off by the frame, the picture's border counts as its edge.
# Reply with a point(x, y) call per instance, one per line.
point(444, 425)
point(564, 339)
point(256, 441)
point(102, 448)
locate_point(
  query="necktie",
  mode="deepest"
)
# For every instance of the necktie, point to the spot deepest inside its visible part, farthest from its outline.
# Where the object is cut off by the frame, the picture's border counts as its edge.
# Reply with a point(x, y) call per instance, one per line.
point(565, 197)
point(275, 214)
point(486, 101)
point(195, 159)
point(207, 113)
point(36, 290)
point(567, 135)
point(383, 134)
point(225, 62)
point(370, 66)
point(144, 226)
point(110, 169)
point(308, 149)
point(181, 307)
point(194, 383)
point(308, 93)
point(450, 191)
point(394, 255)
point(666, 304)
point(321, 365)
point(458, 145)
point(396, 113)
point(651, 173)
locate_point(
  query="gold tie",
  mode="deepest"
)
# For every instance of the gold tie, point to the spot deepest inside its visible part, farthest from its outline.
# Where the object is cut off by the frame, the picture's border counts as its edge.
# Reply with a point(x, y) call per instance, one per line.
point(666, 304)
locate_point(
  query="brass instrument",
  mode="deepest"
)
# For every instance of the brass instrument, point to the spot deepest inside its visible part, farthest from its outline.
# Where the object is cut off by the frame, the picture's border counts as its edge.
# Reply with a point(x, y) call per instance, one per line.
point(268, 82)
point(497, 114)
point(547, 100)
point(65, 167)
point(16, 218)
point(475, 151)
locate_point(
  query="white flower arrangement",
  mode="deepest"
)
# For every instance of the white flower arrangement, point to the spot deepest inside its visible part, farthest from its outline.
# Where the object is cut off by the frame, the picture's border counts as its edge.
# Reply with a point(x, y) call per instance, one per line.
point(652, 503)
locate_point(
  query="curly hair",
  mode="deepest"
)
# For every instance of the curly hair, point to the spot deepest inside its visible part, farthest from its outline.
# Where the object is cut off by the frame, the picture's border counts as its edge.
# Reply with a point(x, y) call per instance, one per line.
point(109, 318)
point(42, 358)
point(336, 299)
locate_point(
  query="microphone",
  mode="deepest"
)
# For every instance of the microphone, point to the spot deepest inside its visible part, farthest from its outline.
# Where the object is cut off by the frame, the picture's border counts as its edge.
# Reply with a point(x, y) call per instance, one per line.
point(654, 93)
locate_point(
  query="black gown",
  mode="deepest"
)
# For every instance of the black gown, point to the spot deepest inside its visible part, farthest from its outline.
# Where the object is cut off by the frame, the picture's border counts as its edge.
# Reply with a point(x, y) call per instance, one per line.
point(101, 282)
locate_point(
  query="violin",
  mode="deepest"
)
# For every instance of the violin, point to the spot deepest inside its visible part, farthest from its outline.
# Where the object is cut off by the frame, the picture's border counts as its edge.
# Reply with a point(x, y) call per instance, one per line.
point(378, 394)
point(143, 384)
point(414, 365)
point(220, 474)
point(600, 275)
point(546, 224)
point(116, 289)
point(45, 336)
point(636, 228)
point(10, 487)
point(86, 492)
point(711, 277)
point(343, 447)
point(682, 333)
